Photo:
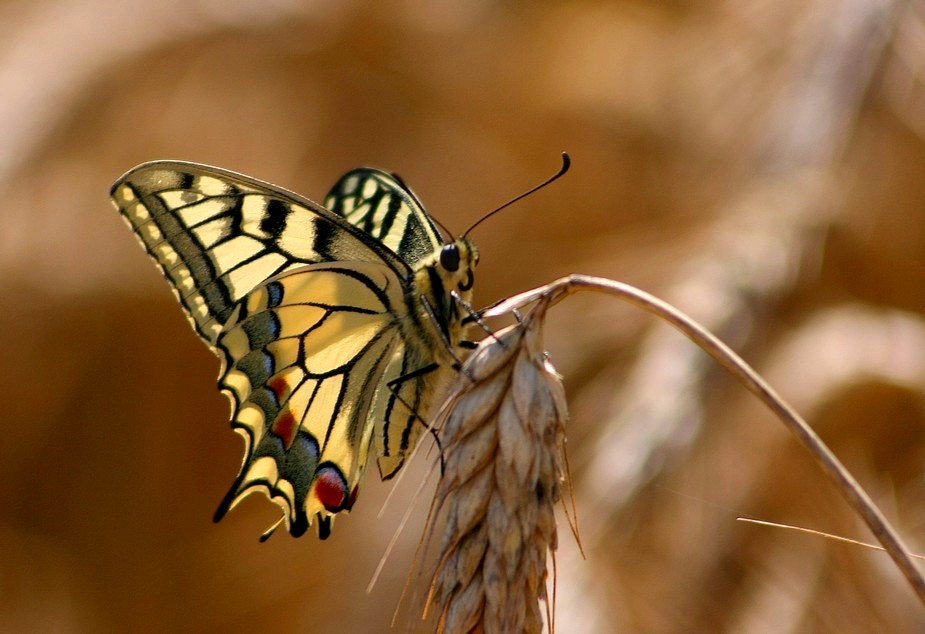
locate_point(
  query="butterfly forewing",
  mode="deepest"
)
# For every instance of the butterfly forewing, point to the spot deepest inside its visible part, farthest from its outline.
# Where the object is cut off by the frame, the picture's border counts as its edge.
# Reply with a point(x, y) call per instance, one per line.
point(334, 327)
point(382, 206)
point(217, 234)
point(386, 209)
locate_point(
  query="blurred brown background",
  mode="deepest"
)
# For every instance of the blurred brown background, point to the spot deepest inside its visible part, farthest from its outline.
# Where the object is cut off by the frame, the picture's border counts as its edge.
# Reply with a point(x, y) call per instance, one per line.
point(760, 164)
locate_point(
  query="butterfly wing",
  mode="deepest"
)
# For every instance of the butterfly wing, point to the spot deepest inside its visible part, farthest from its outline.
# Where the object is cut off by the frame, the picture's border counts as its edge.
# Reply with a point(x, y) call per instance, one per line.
point(315, 318)
point(217, 235)
point(304, 358)
point(385, 208)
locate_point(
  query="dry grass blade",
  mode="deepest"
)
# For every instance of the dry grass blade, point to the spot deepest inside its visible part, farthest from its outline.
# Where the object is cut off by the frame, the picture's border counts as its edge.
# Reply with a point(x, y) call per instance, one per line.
point(503, 437)
point(810, 531)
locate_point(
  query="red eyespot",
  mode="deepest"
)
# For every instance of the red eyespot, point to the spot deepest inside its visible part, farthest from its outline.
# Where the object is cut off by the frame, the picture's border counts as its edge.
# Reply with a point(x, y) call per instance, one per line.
point(331, 489)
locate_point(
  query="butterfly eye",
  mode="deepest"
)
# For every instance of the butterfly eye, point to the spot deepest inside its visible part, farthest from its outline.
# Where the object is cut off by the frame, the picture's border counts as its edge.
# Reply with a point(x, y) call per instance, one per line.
point(449, 257)
point(466, 284)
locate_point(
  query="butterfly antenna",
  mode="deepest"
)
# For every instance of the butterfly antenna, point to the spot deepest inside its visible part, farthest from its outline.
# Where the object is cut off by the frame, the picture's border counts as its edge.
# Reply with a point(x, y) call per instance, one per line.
point(566, 163)
point(443, 228)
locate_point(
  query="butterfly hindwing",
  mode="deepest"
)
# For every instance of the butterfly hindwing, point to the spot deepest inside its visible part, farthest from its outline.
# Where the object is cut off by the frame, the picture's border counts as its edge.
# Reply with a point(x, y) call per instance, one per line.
point(335, 327)
point(302, 359)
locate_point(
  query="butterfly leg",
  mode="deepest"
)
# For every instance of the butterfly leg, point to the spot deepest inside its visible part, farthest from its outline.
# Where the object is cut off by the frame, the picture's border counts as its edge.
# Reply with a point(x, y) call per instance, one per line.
point(474, 317)
point(395, 383)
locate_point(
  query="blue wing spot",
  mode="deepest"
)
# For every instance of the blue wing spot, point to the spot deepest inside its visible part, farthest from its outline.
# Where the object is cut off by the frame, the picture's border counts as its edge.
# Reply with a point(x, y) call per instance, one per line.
point(274, 294)
point(258, 365)
point(261, 329)
point(299, 467)
point(301, 463)
point(266, 399)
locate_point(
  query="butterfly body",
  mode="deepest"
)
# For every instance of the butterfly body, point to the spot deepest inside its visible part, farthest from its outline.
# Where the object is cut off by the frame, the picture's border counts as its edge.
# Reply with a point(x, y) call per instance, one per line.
point(336, 325)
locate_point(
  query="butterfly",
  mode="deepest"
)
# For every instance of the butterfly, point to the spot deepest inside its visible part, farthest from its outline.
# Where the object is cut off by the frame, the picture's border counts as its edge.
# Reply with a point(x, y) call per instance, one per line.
point(336, 325)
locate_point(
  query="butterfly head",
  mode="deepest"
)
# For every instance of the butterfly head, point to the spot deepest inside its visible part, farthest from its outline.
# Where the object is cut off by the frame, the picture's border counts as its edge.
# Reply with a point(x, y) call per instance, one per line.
point(457, 261)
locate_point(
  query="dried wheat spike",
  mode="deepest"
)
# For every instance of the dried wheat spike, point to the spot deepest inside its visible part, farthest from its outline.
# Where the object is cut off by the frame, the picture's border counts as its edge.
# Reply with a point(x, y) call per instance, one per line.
point(503, 440)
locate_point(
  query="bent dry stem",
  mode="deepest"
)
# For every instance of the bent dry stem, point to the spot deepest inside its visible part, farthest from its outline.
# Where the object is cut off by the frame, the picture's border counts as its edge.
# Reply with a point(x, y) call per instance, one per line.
point(853, 493)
